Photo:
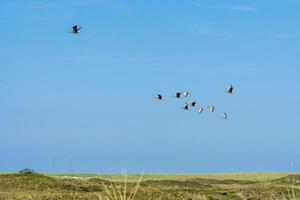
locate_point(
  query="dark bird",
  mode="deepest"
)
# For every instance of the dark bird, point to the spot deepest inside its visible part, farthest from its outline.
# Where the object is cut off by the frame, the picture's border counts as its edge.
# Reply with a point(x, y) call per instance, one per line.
point(177, 95)
point(76, 29)
point(186, 106)
point(230, 89)
point(159, 97)
point(193, 103)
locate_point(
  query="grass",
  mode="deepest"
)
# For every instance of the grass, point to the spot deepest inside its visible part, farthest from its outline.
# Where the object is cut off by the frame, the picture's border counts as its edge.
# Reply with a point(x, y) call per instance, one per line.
point(135, 177)
point(113, 191)
point(151, 187)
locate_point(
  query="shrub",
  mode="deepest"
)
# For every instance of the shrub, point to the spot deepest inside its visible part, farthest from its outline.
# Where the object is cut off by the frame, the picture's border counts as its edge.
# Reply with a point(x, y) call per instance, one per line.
point(27, 171)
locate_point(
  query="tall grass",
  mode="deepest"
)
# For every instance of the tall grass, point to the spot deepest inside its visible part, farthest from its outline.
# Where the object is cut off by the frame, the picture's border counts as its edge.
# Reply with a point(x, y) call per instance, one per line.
point(291, 189)
point(114, 190)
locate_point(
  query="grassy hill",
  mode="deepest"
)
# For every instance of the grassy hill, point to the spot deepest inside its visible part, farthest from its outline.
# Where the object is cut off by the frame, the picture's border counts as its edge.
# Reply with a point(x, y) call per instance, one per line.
point(152, 187)
point(135, 177)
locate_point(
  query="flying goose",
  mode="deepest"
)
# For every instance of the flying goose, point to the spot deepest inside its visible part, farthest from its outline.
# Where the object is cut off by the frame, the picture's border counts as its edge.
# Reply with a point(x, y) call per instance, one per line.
point(186, 106)
point(230, 89)
point(225, 115)
point(177, 95)
point(211, 108)
point(159, 97)
point(200, 110)
point(186, 93)
point(76, 29)
point(193, 103)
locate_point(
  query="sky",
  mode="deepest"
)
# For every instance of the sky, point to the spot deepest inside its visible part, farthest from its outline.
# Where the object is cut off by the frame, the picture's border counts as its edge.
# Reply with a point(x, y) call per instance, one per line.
point(84, 103)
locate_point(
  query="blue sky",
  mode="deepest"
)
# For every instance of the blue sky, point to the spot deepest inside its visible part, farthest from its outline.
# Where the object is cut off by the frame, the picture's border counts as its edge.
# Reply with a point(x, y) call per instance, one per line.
point(88, 98)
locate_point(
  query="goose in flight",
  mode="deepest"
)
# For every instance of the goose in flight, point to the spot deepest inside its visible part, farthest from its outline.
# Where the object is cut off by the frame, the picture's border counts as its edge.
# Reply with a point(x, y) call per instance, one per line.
point(211, 108)
point(177, 95)
point(200, 110)
point(76, 29)
point(230, 89)
point(186, 106)
point(193, 104)
point(186, 93)
point(159, 97)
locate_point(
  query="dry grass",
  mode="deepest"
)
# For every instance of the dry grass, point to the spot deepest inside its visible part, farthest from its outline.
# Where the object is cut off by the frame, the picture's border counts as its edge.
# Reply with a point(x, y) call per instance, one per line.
point(115, 191)
point(135, 177)
point(39, 187)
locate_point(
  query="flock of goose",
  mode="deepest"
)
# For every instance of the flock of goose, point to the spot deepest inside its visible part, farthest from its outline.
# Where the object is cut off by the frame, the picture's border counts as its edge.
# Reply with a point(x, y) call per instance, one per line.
point(193, 104)
point(178, 95)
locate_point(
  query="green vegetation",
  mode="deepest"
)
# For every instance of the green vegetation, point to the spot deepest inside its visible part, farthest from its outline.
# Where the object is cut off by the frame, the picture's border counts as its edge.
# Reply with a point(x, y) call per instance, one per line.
point(151, 187)
point(135, 177)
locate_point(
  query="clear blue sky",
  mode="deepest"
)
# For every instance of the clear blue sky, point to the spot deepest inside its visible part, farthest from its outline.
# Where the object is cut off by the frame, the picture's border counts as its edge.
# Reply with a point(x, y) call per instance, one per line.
point(88, 98)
